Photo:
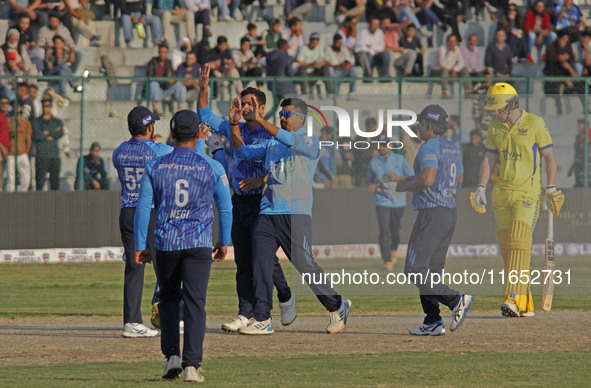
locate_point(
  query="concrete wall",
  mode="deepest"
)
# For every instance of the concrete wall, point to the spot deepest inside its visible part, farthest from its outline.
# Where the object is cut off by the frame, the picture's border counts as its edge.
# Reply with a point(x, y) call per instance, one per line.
point(90, 219)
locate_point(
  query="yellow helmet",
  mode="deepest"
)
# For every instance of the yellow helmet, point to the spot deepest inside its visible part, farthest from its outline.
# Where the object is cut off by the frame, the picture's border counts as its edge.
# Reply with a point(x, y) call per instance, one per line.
point(500, 95)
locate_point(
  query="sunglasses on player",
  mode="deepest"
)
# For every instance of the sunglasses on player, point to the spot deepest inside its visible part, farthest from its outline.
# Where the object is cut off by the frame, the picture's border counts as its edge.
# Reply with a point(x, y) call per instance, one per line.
point(284, 114)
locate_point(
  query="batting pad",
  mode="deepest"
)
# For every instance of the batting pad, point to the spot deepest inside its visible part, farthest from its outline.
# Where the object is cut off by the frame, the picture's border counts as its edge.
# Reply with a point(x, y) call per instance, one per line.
point(519, 260)
point(503, 235)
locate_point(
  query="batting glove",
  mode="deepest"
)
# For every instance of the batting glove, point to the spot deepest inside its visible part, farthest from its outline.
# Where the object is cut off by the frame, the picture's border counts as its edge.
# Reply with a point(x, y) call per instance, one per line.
point(478, 200)
point(554, 200)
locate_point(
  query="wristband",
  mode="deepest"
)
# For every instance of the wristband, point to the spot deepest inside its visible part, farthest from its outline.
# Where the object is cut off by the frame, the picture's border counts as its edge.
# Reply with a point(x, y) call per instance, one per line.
point(231, 123)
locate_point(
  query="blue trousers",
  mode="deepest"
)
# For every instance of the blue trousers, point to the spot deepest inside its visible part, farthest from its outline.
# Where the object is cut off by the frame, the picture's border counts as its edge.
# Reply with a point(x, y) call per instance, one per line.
point(427, 250)
point(133, 284)
point(293, 233)
point(192, 267)
point(390, 222)
point(245, 209)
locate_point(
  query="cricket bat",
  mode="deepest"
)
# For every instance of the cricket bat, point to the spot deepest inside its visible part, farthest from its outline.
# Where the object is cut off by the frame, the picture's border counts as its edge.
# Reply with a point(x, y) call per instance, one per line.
point(548, 289)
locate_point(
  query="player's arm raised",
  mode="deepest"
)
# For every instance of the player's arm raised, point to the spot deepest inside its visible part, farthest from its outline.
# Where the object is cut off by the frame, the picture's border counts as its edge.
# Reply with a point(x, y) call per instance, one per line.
point(241, 151)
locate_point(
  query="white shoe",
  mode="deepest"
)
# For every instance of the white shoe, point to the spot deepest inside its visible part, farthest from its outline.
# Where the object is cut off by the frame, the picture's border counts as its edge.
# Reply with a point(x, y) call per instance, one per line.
point(258, 328)
point(338, 319)
point(510, 309)
point(182, 327)
point(226, 18)
point(459, 312)
point(425, 32)
point(431, 329)
point(239, 322)
point(529, 314)
point(288, 311)
point(193, 374)
point(137, 330)
point(173, 368)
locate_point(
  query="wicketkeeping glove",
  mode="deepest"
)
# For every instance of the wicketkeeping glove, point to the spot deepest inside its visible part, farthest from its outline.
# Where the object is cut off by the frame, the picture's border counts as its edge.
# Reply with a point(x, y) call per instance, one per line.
point(214, 142)
point(554, 199)
point(478, 200)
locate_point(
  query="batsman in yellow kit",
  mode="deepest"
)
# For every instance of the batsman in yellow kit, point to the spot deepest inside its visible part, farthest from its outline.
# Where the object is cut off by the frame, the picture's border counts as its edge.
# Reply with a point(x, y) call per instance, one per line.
point(518, 140)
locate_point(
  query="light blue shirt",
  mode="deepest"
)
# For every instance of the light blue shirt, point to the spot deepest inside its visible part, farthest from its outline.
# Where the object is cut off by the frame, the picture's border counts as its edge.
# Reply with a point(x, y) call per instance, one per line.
point(379, 170)
point(290, 159)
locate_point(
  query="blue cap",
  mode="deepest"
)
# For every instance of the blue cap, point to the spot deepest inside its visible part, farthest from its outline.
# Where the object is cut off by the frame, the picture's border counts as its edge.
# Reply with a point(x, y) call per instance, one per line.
point(185, 122)
point(141, 116)
point(433, 113)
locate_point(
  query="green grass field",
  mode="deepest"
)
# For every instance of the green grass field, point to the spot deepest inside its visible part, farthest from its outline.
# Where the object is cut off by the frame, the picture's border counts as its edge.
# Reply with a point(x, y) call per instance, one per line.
point(64, 290)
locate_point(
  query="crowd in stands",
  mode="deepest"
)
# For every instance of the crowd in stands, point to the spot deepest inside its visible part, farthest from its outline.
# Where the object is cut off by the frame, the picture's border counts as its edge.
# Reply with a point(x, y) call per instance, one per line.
point(41, 40)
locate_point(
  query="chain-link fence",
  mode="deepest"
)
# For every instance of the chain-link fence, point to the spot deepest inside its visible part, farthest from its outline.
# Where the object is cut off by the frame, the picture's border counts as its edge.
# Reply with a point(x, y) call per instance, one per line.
point(68, 127)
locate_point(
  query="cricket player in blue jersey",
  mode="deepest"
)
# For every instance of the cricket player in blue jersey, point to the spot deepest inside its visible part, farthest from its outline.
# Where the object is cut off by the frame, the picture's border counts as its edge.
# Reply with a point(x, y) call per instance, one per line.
point(182, 186)
point(438, 171)
point(130, 160)
point(385, 170)
point(247, 182)
point(285, 218)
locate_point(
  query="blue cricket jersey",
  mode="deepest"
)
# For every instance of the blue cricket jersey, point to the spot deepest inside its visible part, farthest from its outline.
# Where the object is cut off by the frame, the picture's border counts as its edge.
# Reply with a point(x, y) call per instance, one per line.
point(379, 168)
point(183, 186)
point(130, 160)
point(241, 169)
point(440, 153)
point(291, 159)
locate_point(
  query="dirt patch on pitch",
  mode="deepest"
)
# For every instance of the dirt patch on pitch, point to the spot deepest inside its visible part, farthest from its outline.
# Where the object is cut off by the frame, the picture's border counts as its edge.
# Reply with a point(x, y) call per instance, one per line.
point(39, 341)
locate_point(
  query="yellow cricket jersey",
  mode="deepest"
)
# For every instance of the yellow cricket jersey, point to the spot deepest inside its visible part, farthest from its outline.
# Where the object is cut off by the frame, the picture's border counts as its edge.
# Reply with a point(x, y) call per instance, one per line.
point(519, 151)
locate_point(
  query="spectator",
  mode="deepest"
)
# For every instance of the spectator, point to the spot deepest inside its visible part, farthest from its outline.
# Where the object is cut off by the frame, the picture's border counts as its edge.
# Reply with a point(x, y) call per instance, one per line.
point(312, 64)
point(36, 108)
point(456, 136)
point(177, 55)
point(222, 64)
point(246, 62)
point(4, 139)
point(94, 173)
point(58, 61)
point(442, 13)
point(133, 15)
point(472, 56)
point(10, 67)
point(160, 67)
point(175, 12)
point(24, 100)
point(245, 3)
point(569, 18)
point(46, 41)
point(21, 147)
point(407, 14)
point(578, 166)
point(560, 60)
point(83, 20)
point(256, 43)
point(498, 55)
point(512, 25)
point(22, 56)
point(400, 57)
point(280, 64)
point(57, 8)
point(28, 41)
point(349, 8)
point(47, 129)
point(225, 13)
point(380, 8)
point(190, 70)
point(341, 63)
point(480, 116)
point(294, 36)
point(272, 35)
point(472, 155)
point(19, 8)
point(450, 63)
point(349, 33)
point(202, 11)
point(410, 42)
point(370, 49)
point(362, 157)
point(345, 164)
point(582, 50)
point(300, 9)
point(536, 25)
